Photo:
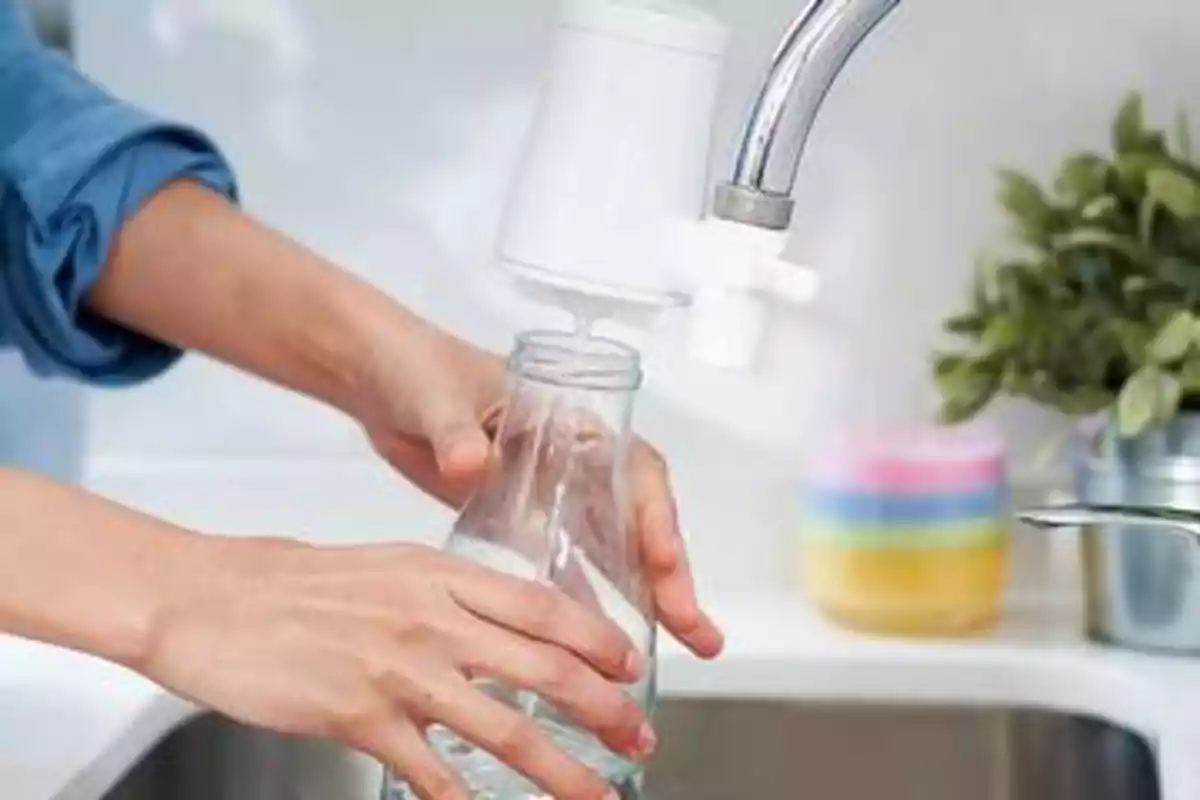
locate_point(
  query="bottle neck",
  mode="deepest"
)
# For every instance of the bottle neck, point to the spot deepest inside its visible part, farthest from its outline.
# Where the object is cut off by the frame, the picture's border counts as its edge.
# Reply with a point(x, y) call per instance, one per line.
point(574, 381)
point(577, 362)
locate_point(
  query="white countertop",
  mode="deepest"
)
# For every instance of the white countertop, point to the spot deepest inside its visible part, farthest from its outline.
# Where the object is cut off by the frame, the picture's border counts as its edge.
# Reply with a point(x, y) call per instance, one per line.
point(71, 725)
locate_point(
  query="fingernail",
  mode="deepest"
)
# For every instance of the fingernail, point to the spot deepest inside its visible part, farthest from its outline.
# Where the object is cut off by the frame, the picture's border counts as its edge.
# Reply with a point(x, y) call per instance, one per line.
point(646, 740)
point(611, 794)
point(634, 664)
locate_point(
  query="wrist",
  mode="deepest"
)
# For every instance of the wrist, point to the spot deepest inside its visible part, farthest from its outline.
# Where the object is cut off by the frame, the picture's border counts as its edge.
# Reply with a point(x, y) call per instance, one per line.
point(81, 572)
point(203, 573)
point(133, 605)
point(386, 353)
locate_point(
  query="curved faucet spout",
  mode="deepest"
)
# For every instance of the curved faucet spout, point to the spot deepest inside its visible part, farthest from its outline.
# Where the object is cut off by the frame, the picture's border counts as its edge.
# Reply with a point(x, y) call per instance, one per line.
point(813, 52)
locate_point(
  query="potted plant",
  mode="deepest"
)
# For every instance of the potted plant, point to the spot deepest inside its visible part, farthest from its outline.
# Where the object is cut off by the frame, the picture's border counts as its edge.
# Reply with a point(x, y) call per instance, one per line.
point(1096, 313)
point(1098, 305)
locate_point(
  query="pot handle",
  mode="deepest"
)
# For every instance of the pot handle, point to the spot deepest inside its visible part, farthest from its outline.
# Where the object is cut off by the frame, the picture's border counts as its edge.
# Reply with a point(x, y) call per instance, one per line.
point(1174, 521)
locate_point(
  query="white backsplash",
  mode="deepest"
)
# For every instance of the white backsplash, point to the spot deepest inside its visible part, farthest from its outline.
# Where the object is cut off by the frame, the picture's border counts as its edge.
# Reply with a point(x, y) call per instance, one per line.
point(383, 133)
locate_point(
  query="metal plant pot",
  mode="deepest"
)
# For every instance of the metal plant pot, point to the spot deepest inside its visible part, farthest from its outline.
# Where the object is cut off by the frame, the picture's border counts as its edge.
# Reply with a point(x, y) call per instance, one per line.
point(1138, 511)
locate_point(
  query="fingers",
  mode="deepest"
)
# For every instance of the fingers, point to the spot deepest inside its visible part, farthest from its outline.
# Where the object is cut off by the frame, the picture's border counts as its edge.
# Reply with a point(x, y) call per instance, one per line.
point(657, 525)
point(513, 738)
point(459, 443)
point(566, 681)
point(550, 616)
point(675, 598)
point(678, 610)
point(403, 748)
point(654, 511)
point(413, 458)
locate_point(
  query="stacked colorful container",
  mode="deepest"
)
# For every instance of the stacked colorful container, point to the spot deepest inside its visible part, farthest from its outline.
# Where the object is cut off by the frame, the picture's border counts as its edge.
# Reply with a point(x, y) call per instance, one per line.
point(909, 534)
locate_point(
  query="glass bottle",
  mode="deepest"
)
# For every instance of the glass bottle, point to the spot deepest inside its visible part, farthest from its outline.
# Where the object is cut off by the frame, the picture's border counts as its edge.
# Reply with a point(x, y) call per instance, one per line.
point(555, 508)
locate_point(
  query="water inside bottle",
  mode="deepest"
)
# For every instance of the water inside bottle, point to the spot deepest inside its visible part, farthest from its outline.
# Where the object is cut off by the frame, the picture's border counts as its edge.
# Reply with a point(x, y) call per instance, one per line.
point(489, 778)
point(486, 776)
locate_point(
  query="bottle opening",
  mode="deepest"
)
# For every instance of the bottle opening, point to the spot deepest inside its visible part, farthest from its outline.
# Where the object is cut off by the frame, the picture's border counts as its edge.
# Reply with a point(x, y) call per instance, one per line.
point(576, 361)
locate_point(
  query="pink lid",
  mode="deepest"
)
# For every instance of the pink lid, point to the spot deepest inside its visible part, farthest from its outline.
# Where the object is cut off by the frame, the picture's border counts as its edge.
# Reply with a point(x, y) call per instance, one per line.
point(937, 459)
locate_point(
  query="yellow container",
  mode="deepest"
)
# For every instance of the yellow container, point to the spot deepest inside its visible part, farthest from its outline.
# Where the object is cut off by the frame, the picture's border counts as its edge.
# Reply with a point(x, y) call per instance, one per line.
point(908, 591)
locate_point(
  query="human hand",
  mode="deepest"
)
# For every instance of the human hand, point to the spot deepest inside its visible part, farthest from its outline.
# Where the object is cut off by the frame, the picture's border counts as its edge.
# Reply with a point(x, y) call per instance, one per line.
point(369, 645)
point(430, 407)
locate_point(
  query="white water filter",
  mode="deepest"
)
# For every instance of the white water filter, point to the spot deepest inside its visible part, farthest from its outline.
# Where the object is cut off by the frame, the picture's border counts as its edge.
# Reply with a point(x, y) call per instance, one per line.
point(617, 157)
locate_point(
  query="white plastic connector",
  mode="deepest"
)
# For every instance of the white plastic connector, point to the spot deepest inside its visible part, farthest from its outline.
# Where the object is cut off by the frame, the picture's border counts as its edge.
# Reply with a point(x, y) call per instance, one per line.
point(725, 326)
point(731, 271)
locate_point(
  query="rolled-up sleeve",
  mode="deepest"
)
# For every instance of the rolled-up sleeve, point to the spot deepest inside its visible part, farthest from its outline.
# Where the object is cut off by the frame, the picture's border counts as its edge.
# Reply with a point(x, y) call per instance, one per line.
point(75, 163)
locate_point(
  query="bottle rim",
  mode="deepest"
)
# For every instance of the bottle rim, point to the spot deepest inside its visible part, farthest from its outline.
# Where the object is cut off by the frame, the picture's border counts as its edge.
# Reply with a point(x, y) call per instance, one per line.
point(571, 361)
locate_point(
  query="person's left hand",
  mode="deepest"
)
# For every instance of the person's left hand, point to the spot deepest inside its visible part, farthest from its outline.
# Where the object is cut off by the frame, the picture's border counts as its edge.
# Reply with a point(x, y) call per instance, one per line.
point(427, 407)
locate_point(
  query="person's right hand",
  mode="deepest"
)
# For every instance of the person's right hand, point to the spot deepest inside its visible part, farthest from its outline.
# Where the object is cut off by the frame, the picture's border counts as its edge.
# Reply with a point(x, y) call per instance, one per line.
point(369, 645)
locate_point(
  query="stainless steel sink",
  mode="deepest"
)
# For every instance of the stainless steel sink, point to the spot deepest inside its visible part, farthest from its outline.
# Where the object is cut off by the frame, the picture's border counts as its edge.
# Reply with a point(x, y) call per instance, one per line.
point(764, 750)
point(729, 750)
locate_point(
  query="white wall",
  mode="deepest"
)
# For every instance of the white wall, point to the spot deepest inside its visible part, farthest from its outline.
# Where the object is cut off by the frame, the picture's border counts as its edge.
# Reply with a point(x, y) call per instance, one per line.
point(395, 150)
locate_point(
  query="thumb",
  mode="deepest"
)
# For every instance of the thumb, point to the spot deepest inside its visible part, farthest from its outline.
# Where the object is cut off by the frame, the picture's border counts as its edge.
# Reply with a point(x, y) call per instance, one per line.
point(459, 443)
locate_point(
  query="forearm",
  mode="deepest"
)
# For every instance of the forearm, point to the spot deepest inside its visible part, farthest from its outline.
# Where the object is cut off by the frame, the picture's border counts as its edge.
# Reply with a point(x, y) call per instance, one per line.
point(84, 573)
point(192, 270)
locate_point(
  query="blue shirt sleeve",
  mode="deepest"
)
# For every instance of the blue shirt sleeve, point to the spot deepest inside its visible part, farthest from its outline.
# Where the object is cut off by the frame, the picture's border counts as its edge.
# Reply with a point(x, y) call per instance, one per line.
point(75, 163)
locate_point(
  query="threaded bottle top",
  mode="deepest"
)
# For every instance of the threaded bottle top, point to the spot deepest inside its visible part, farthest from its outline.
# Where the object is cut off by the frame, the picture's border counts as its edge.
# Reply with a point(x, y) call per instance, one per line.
point(573, 361)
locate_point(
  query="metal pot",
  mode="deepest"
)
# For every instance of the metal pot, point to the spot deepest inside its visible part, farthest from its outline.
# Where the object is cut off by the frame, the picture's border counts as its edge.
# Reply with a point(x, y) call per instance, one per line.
point(1138, 511)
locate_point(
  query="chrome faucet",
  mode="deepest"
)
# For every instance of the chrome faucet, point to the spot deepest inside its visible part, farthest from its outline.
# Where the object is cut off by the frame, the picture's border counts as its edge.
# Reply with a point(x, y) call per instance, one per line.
point(815, 48)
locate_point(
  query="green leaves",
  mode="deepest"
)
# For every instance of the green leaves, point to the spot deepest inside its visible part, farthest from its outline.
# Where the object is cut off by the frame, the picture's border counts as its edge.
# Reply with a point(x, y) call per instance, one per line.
point(1086, 237)
point(970, 324)
point(1082, 178)
point(1100, 309)
point(1189, 374)
point(1130, 171)
point(1183, 135)
point(1150, 396)
point(1174, 191)
point(1133, 339)
point(1100, 208)
point(1035, 219)
point(1002, 333)
point(966, 386)
point(1147, 216)
point(1021, 195)
point(1174, 339)
point(1129, 125)
point(1130, 134)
